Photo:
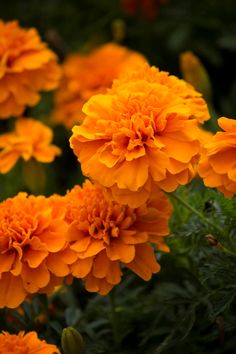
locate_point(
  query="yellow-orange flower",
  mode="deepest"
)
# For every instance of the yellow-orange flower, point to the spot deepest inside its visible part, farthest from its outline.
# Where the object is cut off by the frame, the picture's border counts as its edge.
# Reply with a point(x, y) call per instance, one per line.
point(25, 343)
point(34, 256)
point(86, 75)
point(141, 133)
point(30, 139)
point(106, 234)
point(27, 66)
point(217, 166)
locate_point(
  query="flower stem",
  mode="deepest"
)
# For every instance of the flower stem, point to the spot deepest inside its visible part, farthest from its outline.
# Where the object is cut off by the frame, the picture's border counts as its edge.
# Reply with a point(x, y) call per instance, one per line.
point(114, 320)
point(196, 212)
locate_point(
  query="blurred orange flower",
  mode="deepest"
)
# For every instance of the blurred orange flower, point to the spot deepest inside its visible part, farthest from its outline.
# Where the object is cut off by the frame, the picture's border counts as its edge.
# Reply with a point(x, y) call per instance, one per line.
point(217, 166)
point(34, 256)
point(27, 66)
point(86, 75)
point(30, 139)
point(143, 132)
point(25, 343)
point(106, 234)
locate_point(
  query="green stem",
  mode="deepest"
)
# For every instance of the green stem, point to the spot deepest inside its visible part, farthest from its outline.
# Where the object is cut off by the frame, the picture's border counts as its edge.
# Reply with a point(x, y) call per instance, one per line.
point(114, 320)
point(194, 211)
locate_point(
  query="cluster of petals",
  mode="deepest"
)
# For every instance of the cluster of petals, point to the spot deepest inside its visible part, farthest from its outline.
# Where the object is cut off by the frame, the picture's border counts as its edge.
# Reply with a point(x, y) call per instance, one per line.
point(181, 88)
point(34, 253)
point(105, 235)
point(25, 343)
point(144, 131)
point(217, 166)
point(27, 66)
point(30, 139)
point(87, 75)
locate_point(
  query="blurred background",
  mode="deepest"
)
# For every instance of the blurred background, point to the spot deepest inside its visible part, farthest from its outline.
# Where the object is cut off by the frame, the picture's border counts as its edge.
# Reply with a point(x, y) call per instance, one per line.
point(160, 29)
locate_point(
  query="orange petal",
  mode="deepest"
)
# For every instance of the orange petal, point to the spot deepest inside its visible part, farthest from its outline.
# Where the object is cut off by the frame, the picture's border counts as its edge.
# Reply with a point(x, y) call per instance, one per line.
point(132, 174)
point(35, 253)
point(56, 266)
point(227, 124)
point(94, 248)
point(101, 265)
point(131, 237)
point(114, 273)
point(82, 267)
point(12, 292)
point(53, 240)
point(119, 250)
point(82, 244)
point(133, 199)
point(158, 162)
point(182, 151)
point(145, 262)
point(35, 278)
point(223, 161)
point(6, 261)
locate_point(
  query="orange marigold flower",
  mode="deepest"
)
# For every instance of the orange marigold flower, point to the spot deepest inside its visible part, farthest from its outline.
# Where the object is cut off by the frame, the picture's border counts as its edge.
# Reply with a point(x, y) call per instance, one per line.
point(25, 343)
point(217, 166)
point(27, 66)
point(138, 134)
point(106, 234)
point(30, 139)
point(86, 75)
point(34, 256)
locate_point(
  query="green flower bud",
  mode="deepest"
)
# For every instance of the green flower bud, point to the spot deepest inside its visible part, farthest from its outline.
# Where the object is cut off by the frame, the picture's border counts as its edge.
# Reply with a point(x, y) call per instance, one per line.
point(34, 176)
point(118, 30)
point(72, 341)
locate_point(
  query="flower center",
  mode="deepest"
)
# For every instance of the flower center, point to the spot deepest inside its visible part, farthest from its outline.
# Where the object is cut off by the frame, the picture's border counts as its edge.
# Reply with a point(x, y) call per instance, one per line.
point(107, 218)
point(15, 227)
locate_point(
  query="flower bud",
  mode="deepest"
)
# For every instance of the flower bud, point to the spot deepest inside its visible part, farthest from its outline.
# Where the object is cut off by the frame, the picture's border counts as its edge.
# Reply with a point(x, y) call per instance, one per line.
point(118, 30)
point(72, 341)
point(194, 72)
point(34, 176)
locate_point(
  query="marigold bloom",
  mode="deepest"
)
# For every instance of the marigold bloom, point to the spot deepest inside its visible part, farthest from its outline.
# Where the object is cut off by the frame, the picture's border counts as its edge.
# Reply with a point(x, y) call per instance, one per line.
point(27, 66)
point(34, 256)
point(141, 133)
point(30, 139)
point(217, 166)
point(86, 75)
point(106, 234)
point(25, 343)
